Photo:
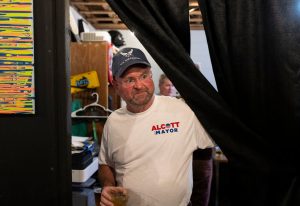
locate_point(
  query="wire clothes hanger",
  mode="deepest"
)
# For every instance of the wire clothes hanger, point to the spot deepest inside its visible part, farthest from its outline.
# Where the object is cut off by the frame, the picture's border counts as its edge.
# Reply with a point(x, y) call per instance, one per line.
point(93, 110)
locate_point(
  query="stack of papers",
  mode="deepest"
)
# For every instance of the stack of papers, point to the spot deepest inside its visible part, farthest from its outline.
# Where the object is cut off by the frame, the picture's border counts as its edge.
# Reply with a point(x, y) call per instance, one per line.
point(80, 144)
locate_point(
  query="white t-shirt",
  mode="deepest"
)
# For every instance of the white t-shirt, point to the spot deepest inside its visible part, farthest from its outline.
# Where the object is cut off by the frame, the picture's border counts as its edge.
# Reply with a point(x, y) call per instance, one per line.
point(151, 151)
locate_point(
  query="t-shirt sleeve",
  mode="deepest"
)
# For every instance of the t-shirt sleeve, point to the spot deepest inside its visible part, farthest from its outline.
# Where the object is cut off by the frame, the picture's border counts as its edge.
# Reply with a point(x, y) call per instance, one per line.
point(202, 137)
point(104, 157)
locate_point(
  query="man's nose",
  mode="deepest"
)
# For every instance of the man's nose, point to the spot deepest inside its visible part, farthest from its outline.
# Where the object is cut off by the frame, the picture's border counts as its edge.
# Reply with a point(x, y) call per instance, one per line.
point(138, 83)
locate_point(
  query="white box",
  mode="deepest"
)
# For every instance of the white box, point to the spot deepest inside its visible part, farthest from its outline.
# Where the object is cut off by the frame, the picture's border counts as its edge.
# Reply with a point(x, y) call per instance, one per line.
point(84, 175)
point(90, 36)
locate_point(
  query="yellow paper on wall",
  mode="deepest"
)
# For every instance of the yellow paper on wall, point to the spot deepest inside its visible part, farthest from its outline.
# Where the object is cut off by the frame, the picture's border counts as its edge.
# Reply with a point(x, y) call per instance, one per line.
point(83, 81)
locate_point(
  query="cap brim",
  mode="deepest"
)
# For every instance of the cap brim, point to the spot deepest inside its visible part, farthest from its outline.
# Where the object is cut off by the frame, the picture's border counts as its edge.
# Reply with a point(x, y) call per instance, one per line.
point(128, 64)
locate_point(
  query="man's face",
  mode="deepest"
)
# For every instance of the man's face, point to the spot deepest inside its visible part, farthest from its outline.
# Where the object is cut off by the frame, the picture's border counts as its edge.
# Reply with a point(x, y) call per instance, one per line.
point(136, 87)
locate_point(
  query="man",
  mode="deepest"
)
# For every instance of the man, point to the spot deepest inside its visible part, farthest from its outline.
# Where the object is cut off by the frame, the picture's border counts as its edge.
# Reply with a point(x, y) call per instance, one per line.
point(147, 147)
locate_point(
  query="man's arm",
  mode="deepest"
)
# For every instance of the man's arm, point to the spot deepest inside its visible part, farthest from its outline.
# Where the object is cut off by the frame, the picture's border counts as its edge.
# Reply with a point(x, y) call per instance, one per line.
point(202, 175)
point(107, 180)
point(106, 176)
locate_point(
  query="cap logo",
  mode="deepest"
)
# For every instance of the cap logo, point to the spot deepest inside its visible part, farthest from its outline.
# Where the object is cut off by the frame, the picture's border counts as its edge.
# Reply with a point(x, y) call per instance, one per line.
point(128, 54)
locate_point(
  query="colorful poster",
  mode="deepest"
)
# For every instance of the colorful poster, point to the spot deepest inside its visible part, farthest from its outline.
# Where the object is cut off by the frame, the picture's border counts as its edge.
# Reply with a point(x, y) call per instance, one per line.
point(17, 94)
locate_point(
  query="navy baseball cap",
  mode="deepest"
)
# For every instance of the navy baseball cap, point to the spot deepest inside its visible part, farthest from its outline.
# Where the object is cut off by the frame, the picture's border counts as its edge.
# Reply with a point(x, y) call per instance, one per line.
point(127, 57)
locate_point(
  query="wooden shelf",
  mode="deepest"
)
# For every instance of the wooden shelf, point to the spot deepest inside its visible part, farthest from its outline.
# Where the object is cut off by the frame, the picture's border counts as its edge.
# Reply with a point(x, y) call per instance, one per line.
point(91, 56)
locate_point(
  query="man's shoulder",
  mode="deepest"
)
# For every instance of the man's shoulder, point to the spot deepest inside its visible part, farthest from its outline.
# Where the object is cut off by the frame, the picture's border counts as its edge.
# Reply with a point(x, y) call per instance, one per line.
point(172, 103)
point(170, 100)
point(116, 114)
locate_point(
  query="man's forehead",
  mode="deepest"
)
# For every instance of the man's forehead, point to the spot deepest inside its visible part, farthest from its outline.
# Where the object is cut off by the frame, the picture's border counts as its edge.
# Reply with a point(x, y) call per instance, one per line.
point(135, 71)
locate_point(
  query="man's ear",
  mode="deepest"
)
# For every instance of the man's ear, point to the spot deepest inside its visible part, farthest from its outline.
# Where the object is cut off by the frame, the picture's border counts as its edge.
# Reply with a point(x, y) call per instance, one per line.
point(115, 85)
point(114, 82)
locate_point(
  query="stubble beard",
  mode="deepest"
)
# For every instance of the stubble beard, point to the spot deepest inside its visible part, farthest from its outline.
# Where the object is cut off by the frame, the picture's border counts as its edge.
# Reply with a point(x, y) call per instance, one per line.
point(137, 101)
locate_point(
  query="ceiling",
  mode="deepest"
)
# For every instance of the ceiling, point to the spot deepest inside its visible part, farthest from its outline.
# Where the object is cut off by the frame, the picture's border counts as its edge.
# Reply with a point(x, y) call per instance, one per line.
point(99, 14)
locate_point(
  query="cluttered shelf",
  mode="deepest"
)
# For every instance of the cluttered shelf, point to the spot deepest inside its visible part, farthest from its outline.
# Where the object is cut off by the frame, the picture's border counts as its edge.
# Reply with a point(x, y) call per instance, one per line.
point(93, 100)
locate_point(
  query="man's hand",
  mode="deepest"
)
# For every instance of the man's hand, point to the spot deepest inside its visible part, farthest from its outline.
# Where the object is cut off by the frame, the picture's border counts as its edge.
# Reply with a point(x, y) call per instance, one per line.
point(106, 194)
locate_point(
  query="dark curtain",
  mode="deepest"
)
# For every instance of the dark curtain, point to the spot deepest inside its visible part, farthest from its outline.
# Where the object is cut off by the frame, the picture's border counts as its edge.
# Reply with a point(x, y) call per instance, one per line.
point(254, 47)
point(254, 116)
